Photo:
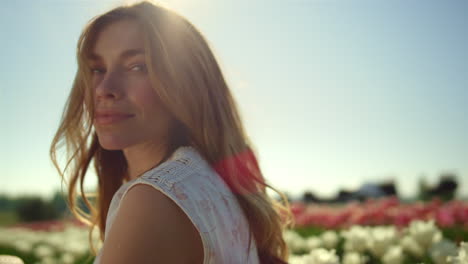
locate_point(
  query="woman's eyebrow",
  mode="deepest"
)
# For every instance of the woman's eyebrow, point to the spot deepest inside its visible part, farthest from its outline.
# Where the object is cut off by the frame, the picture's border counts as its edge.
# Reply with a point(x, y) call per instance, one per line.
point(131, 53)
point(126, 54)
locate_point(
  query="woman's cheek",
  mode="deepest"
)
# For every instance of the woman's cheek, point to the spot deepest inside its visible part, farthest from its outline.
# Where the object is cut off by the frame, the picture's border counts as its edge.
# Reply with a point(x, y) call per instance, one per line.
point(144, 95)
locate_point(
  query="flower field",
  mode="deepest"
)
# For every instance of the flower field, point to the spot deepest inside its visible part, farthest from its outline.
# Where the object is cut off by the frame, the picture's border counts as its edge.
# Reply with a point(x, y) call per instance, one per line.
point(50, 242)
point(387, 211)
point(377, 231)
point(420, 242)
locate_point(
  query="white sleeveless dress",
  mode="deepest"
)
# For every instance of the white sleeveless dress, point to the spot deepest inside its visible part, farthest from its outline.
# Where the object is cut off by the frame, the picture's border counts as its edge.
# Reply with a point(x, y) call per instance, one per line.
point(205, 198)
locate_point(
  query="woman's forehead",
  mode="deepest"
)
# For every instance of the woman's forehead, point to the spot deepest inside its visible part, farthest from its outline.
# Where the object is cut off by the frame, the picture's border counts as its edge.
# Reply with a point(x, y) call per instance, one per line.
point(122, 38)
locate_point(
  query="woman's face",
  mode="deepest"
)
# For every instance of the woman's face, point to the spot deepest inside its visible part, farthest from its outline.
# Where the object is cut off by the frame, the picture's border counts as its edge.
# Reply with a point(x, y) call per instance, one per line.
point(127, 108)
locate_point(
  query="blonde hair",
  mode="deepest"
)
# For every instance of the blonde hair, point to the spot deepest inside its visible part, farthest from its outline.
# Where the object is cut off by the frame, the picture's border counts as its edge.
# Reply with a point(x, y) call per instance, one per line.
point(192, 88)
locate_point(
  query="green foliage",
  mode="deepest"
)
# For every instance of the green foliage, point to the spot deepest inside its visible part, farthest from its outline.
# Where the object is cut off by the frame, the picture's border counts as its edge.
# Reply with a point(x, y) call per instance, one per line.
point(31, 258)
point(455, 233)
point(35, 209)
point(411, 260)
point(6, 203)
point(31, 208)
point(59, 203)
point(89, 259)
point(8, 218)
point(27, 258)
point(309, 231)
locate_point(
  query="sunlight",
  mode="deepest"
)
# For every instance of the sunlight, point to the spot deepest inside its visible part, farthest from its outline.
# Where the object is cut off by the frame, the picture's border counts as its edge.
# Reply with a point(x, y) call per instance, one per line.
point(175, 5)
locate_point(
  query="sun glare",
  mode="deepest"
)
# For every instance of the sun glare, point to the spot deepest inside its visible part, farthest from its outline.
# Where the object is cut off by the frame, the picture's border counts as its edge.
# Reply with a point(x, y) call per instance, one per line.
point(176, 5)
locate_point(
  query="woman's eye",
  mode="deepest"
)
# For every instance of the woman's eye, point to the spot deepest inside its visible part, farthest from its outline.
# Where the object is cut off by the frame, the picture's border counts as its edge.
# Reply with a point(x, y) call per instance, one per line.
point(97, 70)
point(138, 67)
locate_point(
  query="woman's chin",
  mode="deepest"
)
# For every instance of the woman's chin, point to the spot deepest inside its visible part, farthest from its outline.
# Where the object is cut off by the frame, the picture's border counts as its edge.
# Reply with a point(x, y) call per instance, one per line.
point(111, 147)
point(112, 144)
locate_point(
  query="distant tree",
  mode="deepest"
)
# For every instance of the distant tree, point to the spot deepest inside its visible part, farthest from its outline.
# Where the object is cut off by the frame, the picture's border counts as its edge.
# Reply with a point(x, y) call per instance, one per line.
point(309, 197)
point(344, 196)
point(6, 203)
point(389, 188)
point(447, 187)
point(423, 192)
point(35, 209)
point(59, 203)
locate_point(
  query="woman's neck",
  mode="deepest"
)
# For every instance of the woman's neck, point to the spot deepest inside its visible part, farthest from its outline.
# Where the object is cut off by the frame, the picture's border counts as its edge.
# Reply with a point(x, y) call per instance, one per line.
point(143, 157)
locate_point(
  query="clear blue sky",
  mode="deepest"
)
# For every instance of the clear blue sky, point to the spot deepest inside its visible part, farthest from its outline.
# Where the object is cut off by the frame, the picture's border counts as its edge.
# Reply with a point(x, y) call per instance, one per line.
point(333, 92)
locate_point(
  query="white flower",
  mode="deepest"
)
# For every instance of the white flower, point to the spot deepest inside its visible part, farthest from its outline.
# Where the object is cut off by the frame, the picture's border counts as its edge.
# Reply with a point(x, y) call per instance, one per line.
point(424, 233)
point(48, 260)
point(354, 258)
point(462, 257)
point(394, 255)
point(321, 256)
point(357, 238)
point(441, 250)
point(294, 259)
point(313, 243)
point(43, 251)
point(381, 238)
point(22, 246)
point(329, 239)
point(76, 247)
point(412, 247)
point(294, 241)
point(67, 258)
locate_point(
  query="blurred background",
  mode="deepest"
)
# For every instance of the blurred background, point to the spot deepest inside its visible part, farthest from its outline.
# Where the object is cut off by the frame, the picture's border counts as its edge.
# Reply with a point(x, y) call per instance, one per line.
point(344, 99)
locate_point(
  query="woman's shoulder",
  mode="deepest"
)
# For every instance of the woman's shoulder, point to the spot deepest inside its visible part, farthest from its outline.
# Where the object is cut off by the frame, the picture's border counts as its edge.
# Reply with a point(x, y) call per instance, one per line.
point(188, 180)
point(138, 220)
point(169, 177)
point(185, 162)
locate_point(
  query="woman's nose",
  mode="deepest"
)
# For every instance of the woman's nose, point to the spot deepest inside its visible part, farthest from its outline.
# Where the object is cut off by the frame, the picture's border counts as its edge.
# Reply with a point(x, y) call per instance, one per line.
point(110, 87)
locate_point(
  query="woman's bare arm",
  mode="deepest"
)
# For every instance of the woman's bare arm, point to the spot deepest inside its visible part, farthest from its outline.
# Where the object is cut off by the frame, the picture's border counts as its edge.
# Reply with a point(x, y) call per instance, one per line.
point(150, 228)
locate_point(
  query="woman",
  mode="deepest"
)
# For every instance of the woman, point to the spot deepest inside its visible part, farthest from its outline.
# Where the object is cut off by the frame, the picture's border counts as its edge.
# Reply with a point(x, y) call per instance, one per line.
point(178, 181)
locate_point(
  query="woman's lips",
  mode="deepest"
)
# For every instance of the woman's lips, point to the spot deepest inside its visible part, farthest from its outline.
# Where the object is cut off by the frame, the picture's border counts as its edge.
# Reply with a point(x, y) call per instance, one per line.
point(106, 119)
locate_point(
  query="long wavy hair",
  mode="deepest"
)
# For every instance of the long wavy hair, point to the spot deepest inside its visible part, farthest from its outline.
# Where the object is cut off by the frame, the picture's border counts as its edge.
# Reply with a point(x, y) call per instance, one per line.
point(192, 88)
